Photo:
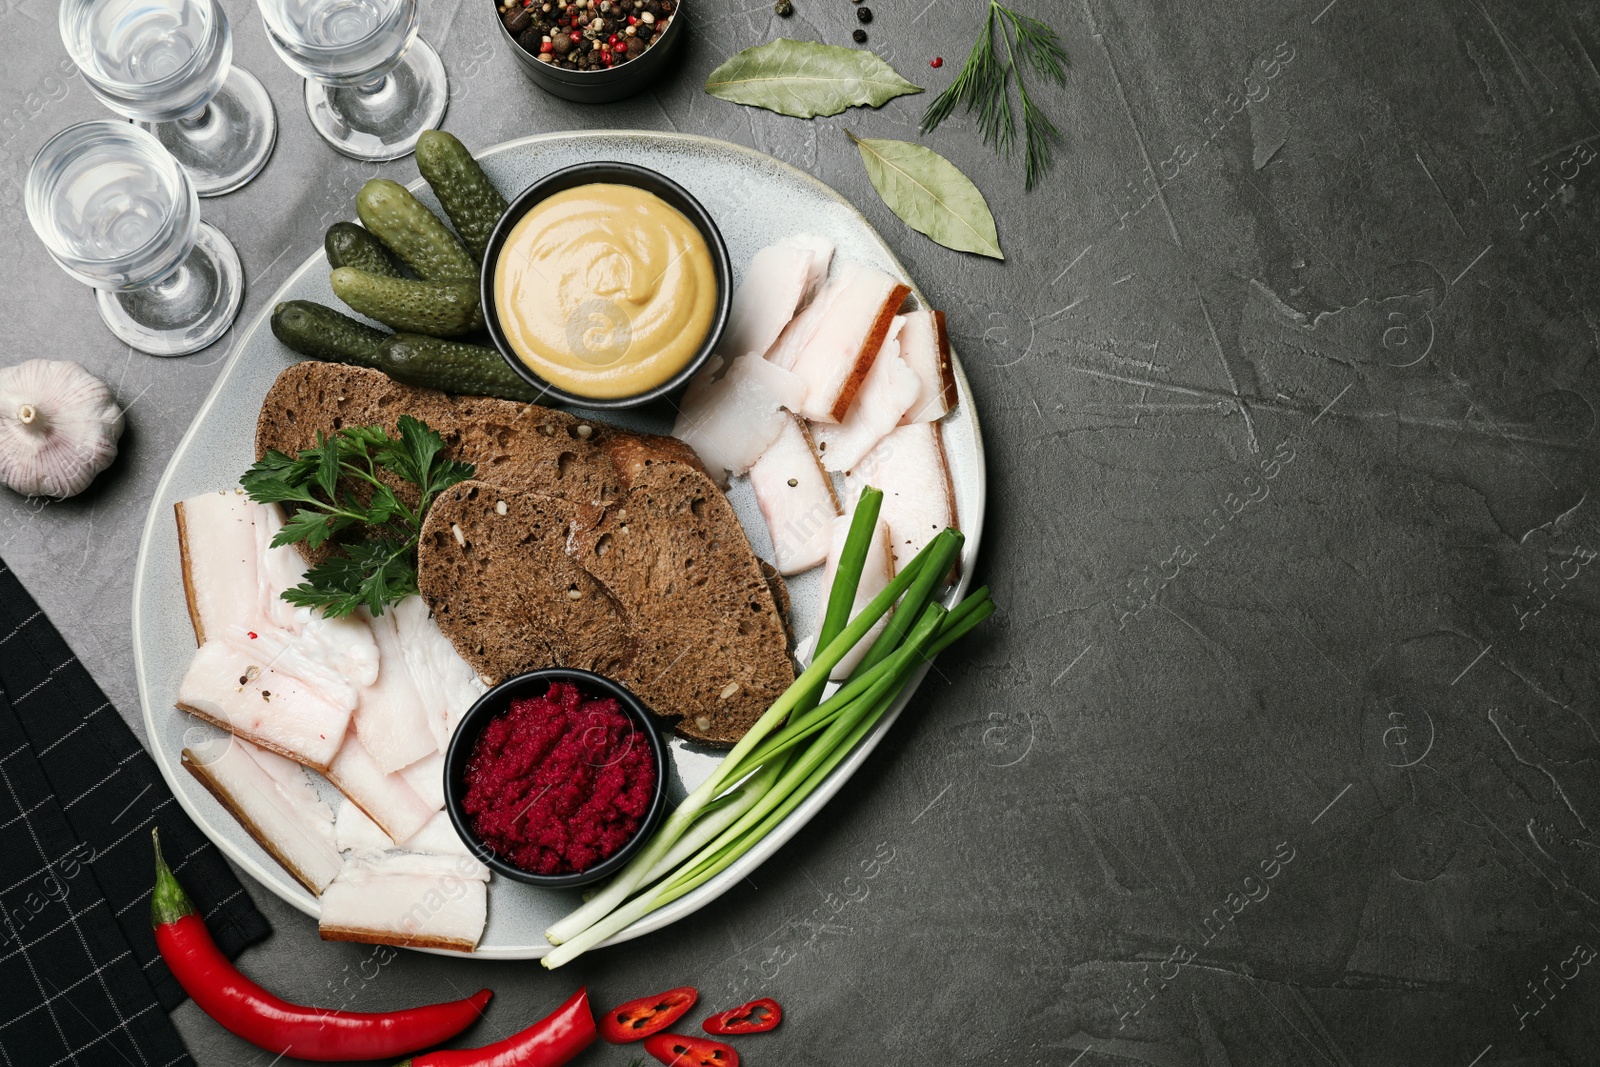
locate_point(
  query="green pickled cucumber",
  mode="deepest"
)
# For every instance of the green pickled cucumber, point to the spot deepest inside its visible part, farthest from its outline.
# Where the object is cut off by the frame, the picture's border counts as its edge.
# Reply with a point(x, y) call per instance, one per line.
point(414, 233)
point(472, 202)
point(439, 309)
point(348, 245)
point(453, 367)
point(323, 333)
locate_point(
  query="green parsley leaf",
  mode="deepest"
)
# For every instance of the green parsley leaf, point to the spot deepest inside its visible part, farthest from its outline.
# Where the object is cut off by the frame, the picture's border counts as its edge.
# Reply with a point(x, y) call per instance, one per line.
point(447, 474)
point(312, 527)
point(327, 466)
point(339, 487)
point(272, 479)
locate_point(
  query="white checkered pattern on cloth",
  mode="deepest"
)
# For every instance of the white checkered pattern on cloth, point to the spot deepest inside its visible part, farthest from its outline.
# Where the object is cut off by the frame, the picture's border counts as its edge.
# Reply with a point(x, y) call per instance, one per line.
point(80, 979)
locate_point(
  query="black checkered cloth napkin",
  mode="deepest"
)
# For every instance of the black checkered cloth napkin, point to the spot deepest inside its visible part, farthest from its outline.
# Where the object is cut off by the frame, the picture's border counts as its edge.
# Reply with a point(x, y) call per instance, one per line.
point(81, 982)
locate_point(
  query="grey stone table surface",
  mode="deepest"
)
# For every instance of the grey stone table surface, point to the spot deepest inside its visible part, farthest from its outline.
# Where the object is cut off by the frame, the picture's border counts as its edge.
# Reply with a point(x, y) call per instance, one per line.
point(1283, 748)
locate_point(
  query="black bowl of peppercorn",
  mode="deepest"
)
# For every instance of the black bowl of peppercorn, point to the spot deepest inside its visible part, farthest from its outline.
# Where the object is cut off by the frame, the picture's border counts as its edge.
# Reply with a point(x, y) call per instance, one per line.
point(591, 51)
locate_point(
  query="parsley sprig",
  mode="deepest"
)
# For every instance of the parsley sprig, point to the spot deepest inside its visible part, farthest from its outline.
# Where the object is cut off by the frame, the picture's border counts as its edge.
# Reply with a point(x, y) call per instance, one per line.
point(335, 487)
point(984, 85)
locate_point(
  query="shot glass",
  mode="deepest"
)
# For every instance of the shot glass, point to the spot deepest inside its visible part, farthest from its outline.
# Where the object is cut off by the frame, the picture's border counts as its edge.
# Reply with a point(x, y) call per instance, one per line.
point(117, 212)
point(372, 84)
point(168, 65)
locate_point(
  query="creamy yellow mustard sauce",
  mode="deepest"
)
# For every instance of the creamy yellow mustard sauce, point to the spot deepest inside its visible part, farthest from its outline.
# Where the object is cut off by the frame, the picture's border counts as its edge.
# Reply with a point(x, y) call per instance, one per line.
point(605, 290)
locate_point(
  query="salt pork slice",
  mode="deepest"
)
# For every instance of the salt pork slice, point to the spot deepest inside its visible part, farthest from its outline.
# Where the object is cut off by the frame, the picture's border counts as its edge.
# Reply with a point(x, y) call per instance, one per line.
point(339, 648)
point(243, 693)
point(781, 279)
point(234, 580)
point(217, 547)
point(438, 837)
point(796, 497)
point(795, 336)
point(392, 718)
point(386, 798)
point(446, 682)
point(274, 801)
point(925, 347)
point(426, 776)
point(919, 499)
point(860, 304)
point(412, 901)
point(730, 420)
point(354, 832)
point(889, 390)
point(876, 573)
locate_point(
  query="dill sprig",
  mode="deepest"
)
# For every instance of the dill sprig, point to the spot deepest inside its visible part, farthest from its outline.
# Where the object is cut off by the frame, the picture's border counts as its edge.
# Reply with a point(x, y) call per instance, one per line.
point(984, 86)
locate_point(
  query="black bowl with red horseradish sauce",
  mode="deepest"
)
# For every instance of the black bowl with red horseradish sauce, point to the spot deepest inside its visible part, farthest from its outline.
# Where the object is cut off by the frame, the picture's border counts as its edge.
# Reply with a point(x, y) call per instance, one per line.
point(556, 777)
point(591, 51)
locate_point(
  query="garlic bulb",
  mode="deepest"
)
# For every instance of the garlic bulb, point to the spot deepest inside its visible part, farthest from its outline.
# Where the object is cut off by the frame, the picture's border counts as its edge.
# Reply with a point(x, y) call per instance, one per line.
point(59, 427)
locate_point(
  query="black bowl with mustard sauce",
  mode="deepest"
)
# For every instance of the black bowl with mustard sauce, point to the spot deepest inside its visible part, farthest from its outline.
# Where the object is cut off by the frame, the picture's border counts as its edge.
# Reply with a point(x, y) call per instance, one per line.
point(606, 285)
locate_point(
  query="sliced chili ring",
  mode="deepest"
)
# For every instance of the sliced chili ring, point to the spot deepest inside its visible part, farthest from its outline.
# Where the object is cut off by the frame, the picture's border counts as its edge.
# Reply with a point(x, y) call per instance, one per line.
point(677, 1050)
point(638, 1019)
point(756, 1017)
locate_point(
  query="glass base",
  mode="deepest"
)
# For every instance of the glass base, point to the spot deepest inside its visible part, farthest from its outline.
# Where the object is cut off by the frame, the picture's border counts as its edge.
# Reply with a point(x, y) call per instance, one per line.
point(229, 142)
point(185, 311)
point(383, 120)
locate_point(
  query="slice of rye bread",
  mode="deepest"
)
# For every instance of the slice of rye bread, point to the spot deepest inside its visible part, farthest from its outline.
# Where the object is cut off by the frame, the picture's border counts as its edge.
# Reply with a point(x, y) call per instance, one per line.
point(492, 565)
point(520, 446)
point(712, 641)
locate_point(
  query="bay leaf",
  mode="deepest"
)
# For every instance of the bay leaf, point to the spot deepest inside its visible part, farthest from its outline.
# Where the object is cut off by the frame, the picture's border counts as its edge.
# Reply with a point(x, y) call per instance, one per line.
point(930, 194)
point(805, 79)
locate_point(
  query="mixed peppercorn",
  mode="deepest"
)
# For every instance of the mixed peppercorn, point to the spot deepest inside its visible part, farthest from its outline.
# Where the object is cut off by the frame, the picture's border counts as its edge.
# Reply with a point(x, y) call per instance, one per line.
point(586, 34)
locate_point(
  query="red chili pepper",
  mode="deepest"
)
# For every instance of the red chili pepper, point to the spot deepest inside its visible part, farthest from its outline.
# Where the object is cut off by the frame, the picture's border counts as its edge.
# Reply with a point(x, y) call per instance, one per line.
point(640, 1018)
point(676, 1050)
point(274, 1024)
point(756, 1017)
point(550, 1042)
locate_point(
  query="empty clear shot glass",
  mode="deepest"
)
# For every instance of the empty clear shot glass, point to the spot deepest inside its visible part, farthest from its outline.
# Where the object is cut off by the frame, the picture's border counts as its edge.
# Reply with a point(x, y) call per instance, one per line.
point(117, 212)
point(372, 84)
point(168, 65)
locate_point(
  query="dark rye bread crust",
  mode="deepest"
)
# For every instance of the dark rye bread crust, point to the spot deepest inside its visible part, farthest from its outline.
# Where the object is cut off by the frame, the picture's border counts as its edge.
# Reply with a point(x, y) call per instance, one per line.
point(713, 646)
point(521, 446)
point(493, 566)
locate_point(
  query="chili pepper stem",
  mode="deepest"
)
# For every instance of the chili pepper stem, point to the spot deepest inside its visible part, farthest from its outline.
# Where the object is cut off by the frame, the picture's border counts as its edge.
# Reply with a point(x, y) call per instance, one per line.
point(168, 901)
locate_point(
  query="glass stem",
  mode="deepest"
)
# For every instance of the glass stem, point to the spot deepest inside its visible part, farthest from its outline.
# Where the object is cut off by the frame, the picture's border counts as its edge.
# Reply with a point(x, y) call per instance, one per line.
point(375, 88)
point(197, 119)
point(176, 285)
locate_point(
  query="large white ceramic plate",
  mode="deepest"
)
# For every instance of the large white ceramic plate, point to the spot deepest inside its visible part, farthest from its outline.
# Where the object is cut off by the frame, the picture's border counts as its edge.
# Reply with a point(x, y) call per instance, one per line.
point(755, 200)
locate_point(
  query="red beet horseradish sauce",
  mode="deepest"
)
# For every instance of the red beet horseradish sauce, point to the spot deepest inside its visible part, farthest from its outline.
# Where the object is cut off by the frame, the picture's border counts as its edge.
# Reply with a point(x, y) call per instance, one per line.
point(559, 782)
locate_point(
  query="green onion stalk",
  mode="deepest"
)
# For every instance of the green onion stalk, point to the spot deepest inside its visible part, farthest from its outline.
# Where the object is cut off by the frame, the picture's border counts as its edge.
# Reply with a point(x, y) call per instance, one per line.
point(798, 742)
